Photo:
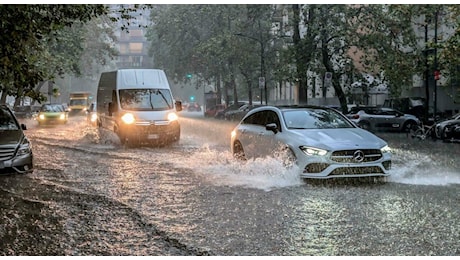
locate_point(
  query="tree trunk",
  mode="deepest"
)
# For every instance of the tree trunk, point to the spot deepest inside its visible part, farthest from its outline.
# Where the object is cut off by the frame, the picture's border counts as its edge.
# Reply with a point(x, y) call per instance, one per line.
point(300, 62)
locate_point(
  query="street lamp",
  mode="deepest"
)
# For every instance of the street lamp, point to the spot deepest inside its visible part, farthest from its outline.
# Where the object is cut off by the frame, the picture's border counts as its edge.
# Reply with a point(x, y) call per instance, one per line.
point(262, 64)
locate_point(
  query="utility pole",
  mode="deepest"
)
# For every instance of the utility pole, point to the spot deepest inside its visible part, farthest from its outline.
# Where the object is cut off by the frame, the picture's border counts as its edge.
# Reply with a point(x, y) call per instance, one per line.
point(435, 95)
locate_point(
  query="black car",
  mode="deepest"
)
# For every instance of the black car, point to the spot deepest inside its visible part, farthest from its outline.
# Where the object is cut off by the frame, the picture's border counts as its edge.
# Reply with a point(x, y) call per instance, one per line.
point(449, 130)
point(15, 149)
point(221, 114)
point(238, 114)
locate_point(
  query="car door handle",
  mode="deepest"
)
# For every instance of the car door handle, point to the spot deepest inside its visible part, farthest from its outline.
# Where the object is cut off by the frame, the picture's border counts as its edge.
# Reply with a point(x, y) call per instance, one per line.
point(261, 133)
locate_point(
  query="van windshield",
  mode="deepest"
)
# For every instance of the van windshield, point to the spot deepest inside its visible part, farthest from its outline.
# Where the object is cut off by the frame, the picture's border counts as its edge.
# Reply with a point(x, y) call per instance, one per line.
point(145, 99)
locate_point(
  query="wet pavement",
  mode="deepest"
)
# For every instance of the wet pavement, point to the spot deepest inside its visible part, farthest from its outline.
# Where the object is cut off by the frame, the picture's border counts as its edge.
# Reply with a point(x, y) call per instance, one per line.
point(90, 196)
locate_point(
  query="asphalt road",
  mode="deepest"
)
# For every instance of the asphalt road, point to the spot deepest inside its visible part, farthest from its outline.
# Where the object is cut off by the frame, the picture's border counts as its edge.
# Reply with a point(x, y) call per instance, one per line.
point(90, 196)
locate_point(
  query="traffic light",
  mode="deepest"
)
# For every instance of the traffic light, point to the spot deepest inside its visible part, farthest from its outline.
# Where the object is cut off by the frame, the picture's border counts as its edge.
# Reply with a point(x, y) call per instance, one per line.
point(189, 75)
point(192, 98)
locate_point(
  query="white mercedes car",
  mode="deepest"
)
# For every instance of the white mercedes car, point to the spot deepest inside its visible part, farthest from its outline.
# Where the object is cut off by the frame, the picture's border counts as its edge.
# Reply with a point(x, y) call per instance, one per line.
point(321, 141)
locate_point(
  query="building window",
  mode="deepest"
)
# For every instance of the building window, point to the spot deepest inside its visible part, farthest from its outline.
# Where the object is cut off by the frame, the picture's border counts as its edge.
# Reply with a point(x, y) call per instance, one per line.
point(123, 48)
point(135, 47)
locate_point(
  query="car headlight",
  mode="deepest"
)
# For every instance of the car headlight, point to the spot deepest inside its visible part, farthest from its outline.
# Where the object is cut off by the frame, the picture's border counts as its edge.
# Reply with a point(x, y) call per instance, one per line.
point(41, 117)
point(128, 118)
point(25, 147)
point(172, 117)
point(385, 149)
point(93, 117)
point(233, 134)
point(62, 117)
point(313, 151)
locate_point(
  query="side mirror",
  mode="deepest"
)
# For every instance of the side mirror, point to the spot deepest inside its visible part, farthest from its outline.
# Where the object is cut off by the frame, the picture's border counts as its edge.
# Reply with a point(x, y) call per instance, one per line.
point(23, 127)
point(178, 106)
point(272, 127)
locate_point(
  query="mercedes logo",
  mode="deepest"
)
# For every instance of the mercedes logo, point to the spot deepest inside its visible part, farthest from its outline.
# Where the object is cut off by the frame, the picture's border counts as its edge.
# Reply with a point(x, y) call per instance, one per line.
point(358, 156)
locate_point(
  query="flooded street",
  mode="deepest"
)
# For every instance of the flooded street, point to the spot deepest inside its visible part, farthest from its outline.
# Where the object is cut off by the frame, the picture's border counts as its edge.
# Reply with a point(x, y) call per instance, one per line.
point(90, 196)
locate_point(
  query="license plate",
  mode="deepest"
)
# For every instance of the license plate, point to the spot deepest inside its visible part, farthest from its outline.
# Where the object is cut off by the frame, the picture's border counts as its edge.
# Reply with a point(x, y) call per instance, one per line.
point(152, 136)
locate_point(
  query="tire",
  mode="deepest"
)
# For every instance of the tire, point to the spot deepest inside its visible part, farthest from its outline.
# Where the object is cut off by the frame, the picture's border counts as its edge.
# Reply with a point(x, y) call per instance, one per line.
point(419, 134)
point(408, 126)
point(289, 158)
point(238, 151)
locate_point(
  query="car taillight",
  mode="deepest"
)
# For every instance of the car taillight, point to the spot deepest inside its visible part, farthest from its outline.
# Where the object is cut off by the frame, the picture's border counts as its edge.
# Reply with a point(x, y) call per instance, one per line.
point(355, 116)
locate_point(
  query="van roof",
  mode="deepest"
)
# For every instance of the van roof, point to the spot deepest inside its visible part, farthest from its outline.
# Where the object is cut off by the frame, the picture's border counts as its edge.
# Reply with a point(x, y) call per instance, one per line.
point(142, 78)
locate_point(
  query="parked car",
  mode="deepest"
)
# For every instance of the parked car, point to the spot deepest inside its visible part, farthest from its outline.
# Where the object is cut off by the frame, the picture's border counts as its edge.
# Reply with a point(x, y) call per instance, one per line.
point(321, 141)
point(238, 114)
point(91, 114)
point(449, 130)
point(52, 114)
point(221, 114)
point(212, 111)
point(193, 107)
point(23, 112)
point(408, 105)
point(382, 119)
point(15, 149)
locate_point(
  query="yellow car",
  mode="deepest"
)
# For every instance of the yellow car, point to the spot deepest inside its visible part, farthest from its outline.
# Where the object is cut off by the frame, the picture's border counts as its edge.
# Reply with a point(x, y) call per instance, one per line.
point(52, 114)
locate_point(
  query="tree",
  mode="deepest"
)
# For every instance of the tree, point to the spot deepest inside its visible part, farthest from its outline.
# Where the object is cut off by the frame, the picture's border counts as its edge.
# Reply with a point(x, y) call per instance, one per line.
point(25, 29)
point(207, 41)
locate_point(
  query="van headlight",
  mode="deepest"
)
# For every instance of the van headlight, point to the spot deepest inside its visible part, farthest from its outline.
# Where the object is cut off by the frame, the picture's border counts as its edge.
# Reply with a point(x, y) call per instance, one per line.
point(172, 117)
point(62, 117)
point(385, 149)
point(313, 151)
point(128, 118)
point(41, 117)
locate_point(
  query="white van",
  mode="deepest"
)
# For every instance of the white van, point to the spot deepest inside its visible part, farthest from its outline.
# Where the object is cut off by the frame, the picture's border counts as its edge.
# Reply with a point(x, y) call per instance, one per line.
point(137, 104)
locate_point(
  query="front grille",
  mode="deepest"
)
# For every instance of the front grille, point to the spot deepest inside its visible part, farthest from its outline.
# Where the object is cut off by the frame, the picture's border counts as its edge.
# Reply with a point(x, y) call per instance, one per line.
point(155, 128)
point(6, 153)
point(52, 116)
point(346, 156)
point(356, 170)
point(315, 167)
point(387, 165)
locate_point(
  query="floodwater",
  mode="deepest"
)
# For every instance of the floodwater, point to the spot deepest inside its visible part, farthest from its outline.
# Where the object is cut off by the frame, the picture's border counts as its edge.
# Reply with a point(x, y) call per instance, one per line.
point(90, 196)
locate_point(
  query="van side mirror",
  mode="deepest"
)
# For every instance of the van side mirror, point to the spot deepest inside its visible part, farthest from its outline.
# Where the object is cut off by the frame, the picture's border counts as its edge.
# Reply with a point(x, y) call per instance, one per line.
point(178, 106)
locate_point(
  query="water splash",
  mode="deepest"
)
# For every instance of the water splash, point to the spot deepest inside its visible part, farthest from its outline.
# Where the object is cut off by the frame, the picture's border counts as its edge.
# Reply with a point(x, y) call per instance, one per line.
point(420, 169)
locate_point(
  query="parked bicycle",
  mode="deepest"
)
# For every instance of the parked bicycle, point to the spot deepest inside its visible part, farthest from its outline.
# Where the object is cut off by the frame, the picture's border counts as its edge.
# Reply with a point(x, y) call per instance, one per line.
point(422, 132)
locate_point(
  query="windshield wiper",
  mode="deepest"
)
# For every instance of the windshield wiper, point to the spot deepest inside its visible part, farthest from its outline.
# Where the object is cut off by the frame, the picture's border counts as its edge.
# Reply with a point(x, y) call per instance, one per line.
point(164, 98)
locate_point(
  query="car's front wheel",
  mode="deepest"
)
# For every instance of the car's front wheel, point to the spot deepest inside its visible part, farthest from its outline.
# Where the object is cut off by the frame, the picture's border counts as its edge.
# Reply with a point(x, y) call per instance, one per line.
point(238, 151)
point(289, 158)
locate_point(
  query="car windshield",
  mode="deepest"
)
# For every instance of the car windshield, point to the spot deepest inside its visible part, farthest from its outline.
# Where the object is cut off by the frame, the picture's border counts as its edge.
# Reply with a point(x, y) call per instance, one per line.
point(314, 119)
point(78, 102)
point(145, 99)
point(52, 108)
point(7, 121)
